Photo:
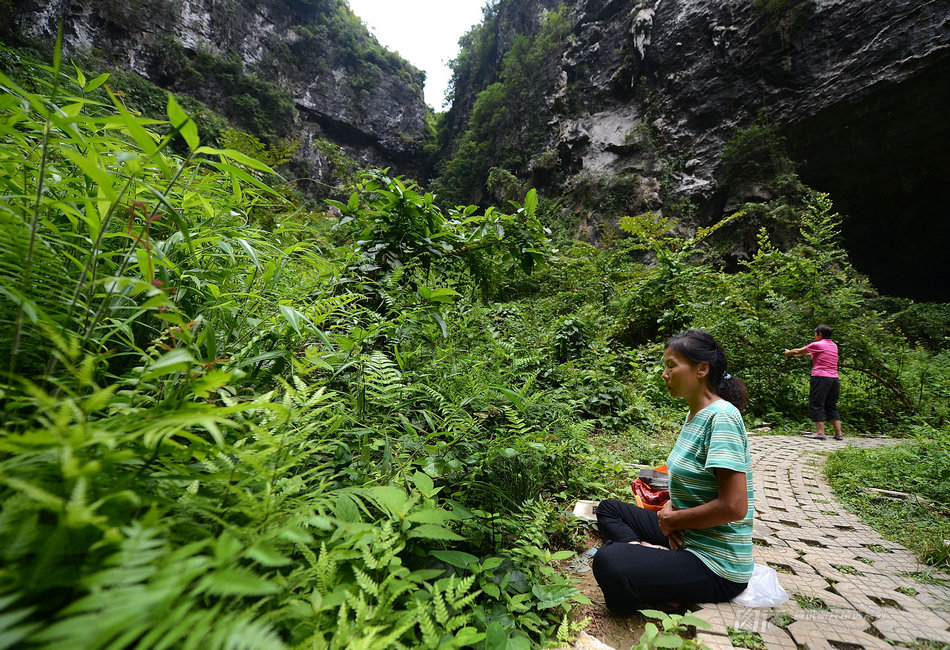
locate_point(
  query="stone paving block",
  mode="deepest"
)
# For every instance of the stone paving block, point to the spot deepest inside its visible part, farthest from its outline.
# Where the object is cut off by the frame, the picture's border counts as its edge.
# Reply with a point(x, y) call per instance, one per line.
point(782, 558)
point(808, 544)
point(722, 615)
point(769, 519)
point(774, 640)
point(778, 639)
point(886, 544)
point(834, 617)
point(764, 541)
point(714, 641)
point(824, 561)
point(814, 636)
point(945, 615)
point(908, 627)
point(827, 555)
point(758, 620)
point(893, 563)
point(871, 603)
point(852, 540)
point(828, 597)
point(880, 585)
point(807, 585)
point(931, 596)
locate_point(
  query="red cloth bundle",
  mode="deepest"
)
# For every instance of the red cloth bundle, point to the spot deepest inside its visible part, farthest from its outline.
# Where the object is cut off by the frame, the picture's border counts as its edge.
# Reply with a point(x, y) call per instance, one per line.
point(649, 497)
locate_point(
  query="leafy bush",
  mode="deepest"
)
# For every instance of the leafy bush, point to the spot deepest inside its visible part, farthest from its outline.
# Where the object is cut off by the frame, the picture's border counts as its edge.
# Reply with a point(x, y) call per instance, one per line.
point(926, 324)
point(755, 153)
point(571, 338)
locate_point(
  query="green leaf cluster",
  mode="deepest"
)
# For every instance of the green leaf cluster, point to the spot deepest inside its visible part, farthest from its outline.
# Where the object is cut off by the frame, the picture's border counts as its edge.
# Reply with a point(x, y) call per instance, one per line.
point(217, 435)
point(671, 632)
point(506, 128)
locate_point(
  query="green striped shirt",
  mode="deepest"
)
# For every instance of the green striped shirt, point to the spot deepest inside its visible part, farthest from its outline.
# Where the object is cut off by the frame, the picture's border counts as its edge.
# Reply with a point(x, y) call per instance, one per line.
point(715, 437)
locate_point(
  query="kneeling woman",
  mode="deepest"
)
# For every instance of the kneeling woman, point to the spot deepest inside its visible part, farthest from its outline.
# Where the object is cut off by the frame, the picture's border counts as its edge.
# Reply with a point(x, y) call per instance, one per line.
point(698, 548)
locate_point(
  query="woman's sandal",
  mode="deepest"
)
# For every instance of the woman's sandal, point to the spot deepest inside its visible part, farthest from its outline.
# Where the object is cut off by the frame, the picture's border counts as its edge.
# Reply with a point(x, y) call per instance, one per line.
point(839, 437)
point(814, 436)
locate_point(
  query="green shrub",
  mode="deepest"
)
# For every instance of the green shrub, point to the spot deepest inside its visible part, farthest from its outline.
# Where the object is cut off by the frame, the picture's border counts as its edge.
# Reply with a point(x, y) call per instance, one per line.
point(755, 153)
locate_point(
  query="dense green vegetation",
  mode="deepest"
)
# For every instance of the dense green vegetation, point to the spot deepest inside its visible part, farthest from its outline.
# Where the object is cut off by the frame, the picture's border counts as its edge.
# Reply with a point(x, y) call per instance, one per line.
point(224, 436)
point(507, 128)
point(229, 421)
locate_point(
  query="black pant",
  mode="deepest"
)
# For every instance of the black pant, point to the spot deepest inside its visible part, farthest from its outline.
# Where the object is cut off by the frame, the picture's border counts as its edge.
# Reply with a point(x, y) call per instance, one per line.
point(823, 394)
point(633, 576)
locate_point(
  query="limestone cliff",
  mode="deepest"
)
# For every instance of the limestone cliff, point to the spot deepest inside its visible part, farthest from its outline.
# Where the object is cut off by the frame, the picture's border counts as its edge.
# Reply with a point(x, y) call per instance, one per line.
point(646, 95)
point(303, 69)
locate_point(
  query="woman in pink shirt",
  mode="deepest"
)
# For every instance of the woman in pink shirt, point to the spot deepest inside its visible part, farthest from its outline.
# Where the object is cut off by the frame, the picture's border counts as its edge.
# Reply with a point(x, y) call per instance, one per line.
point(825, 384)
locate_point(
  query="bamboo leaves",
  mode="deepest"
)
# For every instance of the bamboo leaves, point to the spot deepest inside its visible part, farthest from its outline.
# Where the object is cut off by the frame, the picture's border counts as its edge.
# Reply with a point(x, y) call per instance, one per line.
point(182, 123)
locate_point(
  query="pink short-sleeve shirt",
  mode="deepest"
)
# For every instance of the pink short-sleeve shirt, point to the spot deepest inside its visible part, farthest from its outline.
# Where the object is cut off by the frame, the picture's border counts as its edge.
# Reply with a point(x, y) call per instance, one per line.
point(824, 358)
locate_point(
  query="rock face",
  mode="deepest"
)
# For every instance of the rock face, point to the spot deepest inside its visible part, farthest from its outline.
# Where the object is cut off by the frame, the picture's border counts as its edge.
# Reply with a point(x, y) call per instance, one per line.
point(709, 66)
point(343, 86)
point(654, 89)
point(717, 65)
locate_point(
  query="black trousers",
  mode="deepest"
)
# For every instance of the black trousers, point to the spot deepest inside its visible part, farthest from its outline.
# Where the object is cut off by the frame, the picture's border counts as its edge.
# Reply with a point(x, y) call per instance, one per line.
point(633, 576)
point(823, 394)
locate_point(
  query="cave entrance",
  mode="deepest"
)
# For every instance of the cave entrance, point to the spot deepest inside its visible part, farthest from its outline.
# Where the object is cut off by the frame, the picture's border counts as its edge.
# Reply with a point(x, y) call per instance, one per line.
point(885, 161)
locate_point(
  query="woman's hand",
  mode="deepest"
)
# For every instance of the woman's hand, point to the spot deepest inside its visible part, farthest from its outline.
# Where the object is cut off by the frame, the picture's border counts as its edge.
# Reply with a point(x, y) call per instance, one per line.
point(664, 517)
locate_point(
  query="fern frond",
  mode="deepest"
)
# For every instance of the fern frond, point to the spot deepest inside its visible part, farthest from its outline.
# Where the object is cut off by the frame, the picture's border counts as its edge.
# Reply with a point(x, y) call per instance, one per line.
point(308, 554)
point(382, 379)
point(390, 593)
point(456, 622)
point(326, 570)
point(11, 630)
point(440, 609)
point(517, 426)
point(244, 632)
point(365, 582)
point(343, 628)
point(370, 556)
point(430, 635)
point(328, 307)
point(405, 622)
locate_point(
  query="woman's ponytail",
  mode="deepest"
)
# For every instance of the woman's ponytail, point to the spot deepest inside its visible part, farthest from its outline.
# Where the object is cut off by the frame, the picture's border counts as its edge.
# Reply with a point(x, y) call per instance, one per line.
point(732, 389)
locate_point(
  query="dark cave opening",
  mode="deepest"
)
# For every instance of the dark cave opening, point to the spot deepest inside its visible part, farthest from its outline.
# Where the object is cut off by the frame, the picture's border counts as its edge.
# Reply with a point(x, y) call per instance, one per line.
point(885, 162)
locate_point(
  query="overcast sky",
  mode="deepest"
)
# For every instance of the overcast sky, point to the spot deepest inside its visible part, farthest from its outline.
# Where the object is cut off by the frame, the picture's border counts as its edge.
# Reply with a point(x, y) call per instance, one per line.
point(424, 32)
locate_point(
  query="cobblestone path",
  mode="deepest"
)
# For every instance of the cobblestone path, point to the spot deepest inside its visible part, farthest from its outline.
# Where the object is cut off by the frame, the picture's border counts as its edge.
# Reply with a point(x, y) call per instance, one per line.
point(858, 583)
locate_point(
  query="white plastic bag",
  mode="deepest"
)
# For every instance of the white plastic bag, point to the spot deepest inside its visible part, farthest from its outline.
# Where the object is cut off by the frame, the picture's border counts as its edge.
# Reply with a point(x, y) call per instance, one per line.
point(764, 589)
